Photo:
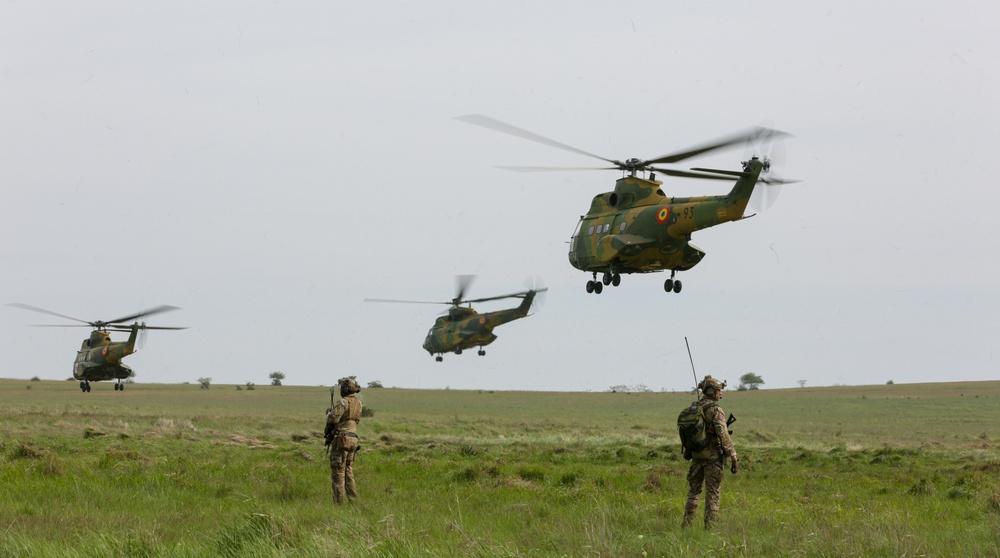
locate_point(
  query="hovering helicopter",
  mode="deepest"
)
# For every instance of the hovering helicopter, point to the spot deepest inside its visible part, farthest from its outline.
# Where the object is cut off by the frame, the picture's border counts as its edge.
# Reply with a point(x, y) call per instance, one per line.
point(462, 327)
point(99, 358)
point(636, 228)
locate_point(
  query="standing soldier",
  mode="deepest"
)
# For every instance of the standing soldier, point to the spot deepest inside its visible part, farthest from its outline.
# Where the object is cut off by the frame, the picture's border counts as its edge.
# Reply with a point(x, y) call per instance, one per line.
point(708, 465)
point(342, 439)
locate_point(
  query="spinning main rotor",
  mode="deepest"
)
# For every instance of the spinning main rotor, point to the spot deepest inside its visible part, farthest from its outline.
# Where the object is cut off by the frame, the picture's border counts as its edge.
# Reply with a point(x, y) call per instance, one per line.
point(753, 136)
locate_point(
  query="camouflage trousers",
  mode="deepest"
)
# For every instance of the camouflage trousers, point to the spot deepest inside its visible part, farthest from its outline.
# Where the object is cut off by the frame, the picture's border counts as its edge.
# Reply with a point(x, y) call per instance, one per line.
point(342, 468)
point(709, 474)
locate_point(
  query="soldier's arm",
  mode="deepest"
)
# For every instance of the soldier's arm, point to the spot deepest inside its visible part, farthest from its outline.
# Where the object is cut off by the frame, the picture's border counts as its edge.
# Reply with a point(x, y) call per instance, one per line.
point(338, 411)
point(722, 432)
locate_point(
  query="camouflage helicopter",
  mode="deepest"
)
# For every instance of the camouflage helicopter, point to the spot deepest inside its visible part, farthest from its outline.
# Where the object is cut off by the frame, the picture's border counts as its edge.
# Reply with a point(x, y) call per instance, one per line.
point(99, 358)
point(462, 327)
point(636, 228)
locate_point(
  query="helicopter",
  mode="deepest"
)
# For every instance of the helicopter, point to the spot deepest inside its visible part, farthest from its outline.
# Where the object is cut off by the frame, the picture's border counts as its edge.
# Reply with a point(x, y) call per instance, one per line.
point(461, 327)
point(636, 228)
point(99, 358)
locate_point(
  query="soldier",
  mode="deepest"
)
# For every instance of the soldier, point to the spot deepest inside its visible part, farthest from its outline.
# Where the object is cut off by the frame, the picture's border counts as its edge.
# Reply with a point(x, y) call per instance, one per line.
point(341, 435)
point(708, 465)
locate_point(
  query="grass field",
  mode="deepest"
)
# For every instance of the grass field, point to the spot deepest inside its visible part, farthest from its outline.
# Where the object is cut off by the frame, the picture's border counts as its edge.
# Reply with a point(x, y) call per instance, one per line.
point(174, 470)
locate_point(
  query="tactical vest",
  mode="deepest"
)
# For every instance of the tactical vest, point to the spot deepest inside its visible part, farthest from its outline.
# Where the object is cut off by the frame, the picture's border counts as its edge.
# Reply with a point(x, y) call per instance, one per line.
point(352, 411)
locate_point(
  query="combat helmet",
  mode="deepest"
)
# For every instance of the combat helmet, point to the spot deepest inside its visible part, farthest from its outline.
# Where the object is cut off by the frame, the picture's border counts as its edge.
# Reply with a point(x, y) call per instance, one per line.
point(710, 385)
point(348, 386)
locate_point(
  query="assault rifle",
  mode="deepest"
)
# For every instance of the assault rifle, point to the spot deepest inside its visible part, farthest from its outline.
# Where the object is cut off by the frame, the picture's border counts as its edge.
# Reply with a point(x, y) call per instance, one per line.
point(730, 420)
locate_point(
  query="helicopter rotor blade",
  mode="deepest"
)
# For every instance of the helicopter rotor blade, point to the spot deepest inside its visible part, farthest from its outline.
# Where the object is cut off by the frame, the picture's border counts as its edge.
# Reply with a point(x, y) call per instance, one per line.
point(503, 127)
point(552, 169)
point(49, 312)
point(723, 142)
point(689, 174)
point(462, 283)
point(152, 311)
point(142, 327)
point(521, 294)
point(397, 301)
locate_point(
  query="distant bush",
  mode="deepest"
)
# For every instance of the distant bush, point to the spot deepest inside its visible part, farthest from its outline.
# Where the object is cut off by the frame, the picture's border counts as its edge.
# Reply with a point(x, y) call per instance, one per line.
point(36, 379)
point(889, 383)
point(250, 386)
point(367, 412)
point(276, 378)
point(374, 384)
point(637, 388)
point(205, 382)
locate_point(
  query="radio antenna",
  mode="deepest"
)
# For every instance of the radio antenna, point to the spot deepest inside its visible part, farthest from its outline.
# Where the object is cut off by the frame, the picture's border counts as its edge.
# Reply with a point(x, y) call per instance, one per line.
point(691, 358)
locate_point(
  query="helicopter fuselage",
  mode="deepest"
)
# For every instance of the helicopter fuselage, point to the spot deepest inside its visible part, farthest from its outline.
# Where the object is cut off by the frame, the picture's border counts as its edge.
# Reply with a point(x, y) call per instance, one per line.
point(100, 359)
point(638, 229)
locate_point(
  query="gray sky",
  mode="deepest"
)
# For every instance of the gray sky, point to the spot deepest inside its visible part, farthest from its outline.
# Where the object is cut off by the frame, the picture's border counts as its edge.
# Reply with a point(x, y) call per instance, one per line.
point(267, 166)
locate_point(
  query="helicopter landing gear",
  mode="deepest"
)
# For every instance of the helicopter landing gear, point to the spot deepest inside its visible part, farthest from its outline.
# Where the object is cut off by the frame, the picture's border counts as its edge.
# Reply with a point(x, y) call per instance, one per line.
point(458, 351)
point(439, 358)
point(85, 386)
point(612, 278)
point(119, 387)
point(482, 352)
point(596, 286)
point(672, 284)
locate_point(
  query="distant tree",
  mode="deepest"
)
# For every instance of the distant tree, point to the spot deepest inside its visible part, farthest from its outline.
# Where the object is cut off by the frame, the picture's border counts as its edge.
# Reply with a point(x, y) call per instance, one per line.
point(889, 383)
point(276, 378)
point(36, 379)
point(802, 383)
point(239, 387)
point(205, 382)
point(374, 384)
point(250, 386)
point(750, 381)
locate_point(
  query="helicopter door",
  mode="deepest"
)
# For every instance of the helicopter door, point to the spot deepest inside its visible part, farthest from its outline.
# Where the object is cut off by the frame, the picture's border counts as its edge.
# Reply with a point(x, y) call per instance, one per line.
point(581, 251)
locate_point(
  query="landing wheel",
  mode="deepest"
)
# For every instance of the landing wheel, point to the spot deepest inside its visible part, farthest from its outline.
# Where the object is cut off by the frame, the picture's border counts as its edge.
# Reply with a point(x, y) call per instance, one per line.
point(83, 386)
point(116, 387)
point(606, 279)
point(87, 387)
point(482, 352)
point(677, 286)
point(590, 287)
point(598, 287)
point(458, 351)
point(616, 279)
point(439, 358)
point(668, 285)
point(121, 387)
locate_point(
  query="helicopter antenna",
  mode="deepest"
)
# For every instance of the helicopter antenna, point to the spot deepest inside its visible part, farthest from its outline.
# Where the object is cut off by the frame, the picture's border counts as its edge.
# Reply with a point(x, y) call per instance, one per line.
point(691, 358)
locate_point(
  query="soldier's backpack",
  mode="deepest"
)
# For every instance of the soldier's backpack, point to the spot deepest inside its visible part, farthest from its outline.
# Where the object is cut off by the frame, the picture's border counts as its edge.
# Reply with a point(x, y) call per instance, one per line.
point(692, 428)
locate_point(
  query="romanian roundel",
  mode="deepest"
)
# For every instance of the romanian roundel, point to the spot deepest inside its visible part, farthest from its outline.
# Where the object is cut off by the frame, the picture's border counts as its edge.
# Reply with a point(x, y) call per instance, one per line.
point(663, 215)
point(482, 320)
point(104, 351)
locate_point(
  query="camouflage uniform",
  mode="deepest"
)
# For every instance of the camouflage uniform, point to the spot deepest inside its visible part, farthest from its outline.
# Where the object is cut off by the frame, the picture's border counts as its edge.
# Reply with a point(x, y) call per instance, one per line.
point(708, 465)
point(342, 423)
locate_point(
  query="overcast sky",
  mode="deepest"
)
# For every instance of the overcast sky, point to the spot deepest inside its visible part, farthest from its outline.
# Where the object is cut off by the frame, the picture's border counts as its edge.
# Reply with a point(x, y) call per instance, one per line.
point(267, 166)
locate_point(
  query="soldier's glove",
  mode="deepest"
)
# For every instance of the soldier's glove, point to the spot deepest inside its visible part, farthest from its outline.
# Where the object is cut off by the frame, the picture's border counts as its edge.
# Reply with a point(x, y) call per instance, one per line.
point(735, 467)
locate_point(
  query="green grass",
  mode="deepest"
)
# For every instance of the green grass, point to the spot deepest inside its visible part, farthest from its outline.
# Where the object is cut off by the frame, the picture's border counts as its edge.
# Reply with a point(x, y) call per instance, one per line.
point(174, 470)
